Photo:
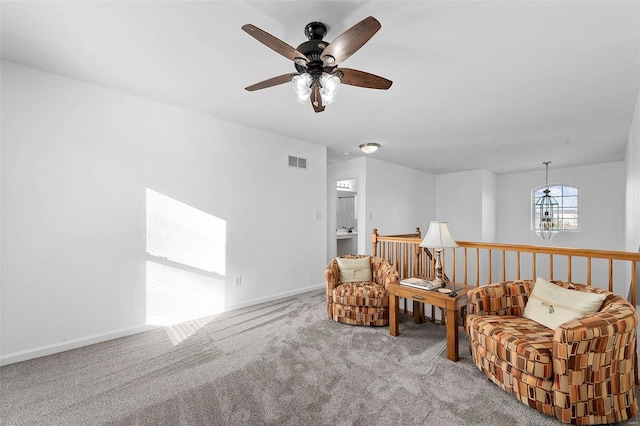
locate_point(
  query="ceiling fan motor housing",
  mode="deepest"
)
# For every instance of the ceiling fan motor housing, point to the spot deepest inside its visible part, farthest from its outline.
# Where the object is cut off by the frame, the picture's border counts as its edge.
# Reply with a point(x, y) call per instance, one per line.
point(313, 48)
point(315, 31)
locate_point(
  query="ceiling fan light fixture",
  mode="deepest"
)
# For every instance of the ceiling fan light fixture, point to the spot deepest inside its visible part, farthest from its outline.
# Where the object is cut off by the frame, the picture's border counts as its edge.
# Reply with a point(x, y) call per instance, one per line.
point(370, 147)
point(301, 84)
point(329, 86)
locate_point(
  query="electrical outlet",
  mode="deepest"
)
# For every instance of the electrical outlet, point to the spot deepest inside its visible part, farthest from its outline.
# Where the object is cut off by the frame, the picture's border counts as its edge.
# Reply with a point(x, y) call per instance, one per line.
point(238, 281)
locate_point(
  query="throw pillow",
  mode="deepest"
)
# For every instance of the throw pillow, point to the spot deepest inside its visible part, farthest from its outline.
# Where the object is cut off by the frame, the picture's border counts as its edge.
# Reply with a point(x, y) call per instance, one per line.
point(354, 270)
point(552, 305)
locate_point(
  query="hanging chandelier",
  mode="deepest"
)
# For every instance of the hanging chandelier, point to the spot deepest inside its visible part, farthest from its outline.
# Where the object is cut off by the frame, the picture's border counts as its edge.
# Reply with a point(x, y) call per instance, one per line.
point(547, 212)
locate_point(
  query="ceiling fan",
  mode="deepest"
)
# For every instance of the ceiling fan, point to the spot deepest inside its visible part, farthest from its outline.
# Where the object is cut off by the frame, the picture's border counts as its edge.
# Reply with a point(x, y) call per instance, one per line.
point(316, 61)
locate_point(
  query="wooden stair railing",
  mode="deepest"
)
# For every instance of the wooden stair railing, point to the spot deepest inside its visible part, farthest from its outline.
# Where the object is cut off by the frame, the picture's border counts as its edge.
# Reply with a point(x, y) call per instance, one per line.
point(491, 262)
point(404, 252)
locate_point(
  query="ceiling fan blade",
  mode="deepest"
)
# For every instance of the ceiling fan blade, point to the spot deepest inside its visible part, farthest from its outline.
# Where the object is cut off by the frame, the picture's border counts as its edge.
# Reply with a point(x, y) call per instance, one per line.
point(316, 99)
point(362, 79)
point(274, 43)
point(281, 79)
point(347, 43)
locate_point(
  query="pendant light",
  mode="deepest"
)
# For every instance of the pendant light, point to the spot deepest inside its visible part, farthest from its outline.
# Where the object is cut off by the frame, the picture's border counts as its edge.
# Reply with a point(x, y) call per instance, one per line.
point(547, 212)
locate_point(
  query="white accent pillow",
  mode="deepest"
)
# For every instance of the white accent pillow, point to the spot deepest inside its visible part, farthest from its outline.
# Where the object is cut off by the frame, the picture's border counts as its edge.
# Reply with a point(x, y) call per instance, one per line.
point(354, 270)
point(552, 305)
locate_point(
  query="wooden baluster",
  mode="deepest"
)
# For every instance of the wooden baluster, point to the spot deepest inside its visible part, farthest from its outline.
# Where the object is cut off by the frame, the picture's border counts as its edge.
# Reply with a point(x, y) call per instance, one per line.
point(374, 241)
point(453, 261)
point(611, 274)
point(633, 283)
point(444, 266)
point(406, 259)
point(533, 266)
point(569, 274)
point(403, 261)
point(464, 266)
point(490, 269)
point(588, 271)
point(518, 264)
point(477, 267)
point(504, 265)
point(550, 266)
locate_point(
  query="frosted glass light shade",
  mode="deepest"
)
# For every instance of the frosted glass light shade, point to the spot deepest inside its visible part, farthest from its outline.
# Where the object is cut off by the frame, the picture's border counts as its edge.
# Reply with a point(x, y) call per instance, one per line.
point(329, 85)
point(302, 87)
point(369, 148)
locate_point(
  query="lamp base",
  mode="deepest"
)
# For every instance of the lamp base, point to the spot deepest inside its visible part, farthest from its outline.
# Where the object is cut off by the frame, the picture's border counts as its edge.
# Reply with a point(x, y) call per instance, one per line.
point(439, 281)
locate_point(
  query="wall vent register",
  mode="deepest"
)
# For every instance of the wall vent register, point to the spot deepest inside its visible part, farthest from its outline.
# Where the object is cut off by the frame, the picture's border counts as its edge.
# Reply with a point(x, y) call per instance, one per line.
point(300, 163)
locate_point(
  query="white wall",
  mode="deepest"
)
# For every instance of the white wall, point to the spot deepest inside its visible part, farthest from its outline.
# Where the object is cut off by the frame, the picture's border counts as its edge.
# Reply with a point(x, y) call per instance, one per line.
point(601, 203)
point(76, 162)
point(632, 163)
point(489, 206)
point(398, 198)
point(466, 200)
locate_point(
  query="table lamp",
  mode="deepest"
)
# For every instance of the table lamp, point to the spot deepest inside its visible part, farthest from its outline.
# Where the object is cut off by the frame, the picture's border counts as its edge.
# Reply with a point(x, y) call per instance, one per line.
point(438, 237)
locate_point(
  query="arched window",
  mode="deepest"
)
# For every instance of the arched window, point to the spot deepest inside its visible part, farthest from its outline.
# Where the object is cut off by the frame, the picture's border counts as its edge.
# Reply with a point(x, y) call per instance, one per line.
point(568, 206)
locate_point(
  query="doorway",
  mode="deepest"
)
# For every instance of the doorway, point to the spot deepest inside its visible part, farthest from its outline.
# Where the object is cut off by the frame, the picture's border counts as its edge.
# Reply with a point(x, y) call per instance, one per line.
point(346, 231)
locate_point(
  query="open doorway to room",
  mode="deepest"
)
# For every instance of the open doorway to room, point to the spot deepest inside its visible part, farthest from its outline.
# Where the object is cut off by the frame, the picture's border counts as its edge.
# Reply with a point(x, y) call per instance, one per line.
point(346, 229)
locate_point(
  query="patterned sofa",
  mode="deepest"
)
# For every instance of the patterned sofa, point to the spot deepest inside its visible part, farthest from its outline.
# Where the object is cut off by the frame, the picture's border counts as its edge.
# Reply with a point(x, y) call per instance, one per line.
point(581, 373)
point(360, 303)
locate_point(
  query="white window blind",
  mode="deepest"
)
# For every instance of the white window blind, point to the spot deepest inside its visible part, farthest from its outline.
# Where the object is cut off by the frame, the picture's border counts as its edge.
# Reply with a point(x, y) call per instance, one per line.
point(183, 234)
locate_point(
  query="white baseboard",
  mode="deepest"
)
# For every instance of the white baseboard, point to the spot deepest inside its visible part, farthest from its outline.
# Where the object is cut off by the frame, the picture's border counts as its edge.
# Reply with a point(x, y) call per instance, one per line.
point(274, 297)
point(99, 338)
point(71, 344)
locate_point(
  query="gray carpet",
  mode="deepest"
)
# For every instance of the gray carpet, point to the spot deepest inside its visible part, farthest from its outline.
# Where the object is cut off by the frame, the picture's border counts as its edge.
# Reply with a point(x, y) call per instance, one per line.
point(278, 363)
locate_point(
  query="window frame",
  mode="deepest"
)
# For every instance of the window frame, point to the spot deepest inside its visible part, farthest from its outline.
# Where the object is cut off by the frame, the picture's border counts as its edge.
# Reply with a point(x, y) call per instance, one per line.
point(554, 188)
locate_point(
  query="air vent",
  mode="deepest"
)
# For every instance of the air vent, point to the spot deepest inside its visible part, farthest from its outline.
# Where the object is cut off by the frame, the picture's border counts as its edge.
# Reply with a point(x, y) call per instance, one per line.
point(300, 163)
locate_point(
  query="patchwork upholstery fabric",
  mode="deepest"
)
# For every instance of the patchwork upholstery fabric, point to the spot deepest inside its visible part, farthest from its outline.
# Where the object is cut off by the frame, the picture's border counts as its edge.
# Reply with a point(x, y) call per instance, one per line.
point(360, 303)
point(506, 298)
point(533, 391)
point(361, 315)
point(521, 343)
point(361, 294)
point(593, 359)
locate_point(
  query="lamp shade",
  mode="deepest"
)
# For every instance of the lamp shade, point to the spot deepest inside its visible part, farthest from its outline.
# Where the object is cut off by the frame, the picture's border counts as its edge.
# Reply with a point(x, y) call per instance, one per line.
point(438, 236)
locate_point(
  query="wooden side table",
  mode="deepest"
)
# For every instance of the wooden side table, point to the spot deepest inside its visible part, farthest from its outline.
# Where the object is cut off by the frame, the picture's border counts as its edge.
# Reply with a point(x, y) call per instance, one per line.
point(451, 305)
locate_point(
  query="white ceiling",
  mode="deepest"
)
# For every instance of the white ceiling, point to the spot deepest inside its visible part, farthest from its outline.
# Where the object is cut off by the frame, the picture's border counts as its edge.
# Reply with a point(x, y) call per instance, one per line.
point(494, 85)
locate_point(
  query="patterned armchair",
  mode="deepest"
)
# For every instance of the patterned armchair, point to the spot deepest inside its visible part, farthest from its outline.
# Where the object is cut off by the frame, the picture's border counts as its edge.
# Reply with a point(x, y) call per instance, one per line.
point(581, 373)
point(360, 303)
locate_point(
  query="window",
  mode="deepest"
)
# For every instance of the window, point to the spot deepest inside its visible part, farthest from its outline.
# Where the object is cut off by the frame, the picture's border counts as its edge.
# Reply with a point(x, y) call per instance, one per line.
point(567, 198)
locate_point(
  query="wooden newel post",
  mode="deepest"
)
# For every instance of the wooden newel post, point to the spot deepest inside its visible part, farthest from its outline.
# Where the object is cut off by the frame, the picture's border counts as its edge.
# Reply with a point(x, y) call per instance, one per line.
point(374, 242)
point(417, 252)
